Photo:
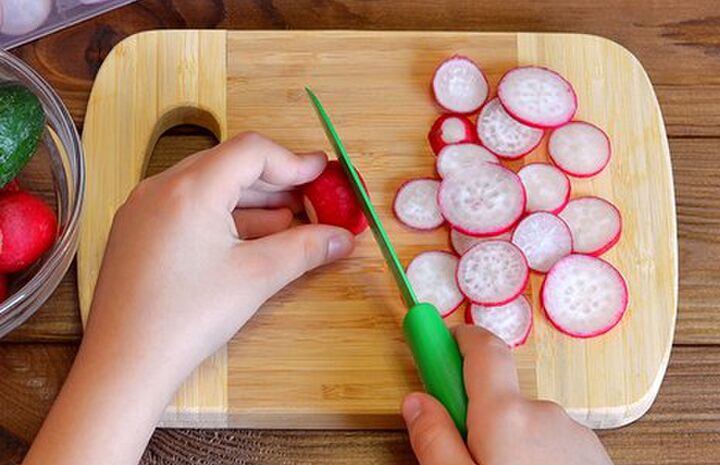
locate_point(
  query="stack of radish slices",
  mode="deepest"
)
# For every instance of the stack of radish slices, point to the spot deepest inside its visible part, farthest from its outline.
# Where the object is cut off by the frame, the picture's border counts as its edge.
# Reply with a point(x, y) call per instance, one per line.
point(505, 225)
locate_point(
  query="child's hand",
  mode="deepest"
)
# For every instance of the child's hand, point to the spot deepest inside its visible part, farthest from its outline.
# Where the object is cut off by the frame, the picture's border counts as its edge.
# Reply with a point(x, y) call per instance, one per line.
point(504, 428)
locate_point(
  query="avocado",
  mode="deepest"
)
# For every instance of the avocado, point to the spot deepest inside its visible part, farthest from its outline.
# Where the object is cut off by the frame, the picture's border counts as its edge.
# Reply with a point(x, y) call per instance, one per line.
point(21, 124)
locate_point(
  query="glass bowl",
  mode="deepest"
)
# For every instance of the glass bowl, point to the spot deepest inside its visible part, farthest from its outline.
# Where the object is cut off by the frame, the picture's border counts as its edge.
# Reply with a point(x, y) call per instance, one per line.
point(56, 173)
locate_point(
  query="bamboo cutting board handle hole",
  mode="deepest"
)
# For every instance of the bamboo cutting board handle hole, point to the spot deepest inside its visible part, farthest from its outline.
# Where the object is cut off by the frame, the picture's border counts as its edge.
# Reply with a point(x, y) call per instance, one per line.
point(188, 139)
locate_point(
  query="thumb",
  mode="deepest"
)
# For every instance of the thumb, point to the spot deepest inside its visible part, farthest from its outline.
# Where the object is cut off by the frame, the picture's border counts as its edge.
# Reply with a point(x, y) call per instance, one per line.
point(433, 435)
point(283, 257)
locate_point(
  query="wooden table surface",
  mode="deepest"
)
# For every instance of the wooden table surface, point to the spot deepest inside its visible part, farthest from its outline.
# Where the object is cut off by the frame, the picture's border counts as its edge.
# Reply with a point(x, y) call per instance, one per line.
point(677, 42)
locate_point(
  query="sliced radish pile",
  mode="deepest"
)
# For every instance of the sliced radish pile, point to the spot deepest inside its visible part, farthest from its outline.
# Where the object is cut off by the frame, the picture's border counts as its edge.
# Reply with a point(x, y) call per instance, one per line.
point(584, 296)
point(459, 85)
point(537, 96)
point(451, 129)
point(547, 188)
point(579, 148)
point(511, 322)
point(504, 136)
point(492, 273)
point(432, 276)
point(595, 224)
point(482, 202)
point(461, 157)
point(544, 239)
point(416, 204)
point(461, 243)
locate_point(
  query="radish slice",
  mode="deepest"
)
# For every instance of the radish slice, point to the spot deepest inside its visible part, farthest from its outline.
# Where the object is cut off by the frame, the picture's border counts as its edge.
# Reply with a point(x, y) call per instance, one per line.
point(579, 148)
point(595, 224)
point(504, 136)
point(461, 243)
point(547, 188)
point(544, 239)
point(461, 157)
point(584, 296)
point(459, 85)
point(483, 201)
point(416, 204)
point(511, 322)
point(432, 276)
point(451, 129)
point(492, 273)
point(537, 96)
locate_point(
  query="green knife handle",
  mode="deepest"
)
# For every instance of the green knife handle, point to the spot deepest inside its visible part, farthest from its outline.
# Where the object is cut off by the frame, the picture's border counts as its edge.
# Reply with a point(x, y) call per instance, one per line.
point(438, 360)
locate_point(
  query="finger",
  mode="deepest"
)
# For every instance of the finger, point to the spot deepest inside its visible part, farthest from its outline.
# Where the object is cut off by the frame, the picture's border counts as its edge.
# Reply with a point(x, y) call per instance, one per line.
point(489, 368)
point(256, 199)
point(281, 258)
point(433, 435)
point(229, 168)
point(252, 223)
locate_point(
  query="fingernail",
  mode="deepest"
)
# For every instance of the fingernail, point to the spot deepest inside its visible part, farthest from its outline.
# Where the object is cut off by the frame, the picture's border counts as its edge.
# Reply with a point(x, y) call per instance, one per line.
point(339, 246)
point(311, 166)
point(411, 408)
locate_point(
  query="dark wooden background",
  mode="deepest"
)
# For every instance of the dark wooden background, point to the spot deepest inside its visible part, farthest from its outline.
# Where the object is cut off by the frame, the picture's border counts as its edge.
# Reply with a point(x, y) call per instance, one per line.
point(678, 42)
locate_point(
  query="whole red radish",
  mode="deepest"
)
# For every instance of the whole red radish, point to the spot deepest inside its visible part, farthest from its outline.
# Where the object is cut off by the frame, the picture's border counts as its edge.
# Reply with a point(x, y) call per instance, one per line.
point(329, 199)
point(28, 228)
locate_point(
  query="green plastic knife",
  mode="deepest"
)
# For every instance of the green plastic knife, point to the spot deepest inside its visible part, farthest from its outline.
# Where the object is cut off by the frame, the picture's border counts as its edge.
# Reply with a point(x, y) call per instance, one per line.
point(436, 353)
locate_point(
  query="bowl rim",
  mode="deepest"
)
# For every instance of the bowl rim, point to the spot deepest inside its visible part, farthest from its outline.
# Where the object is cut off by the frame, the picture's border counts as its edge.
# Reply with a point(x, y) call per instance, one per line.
point(66, 243)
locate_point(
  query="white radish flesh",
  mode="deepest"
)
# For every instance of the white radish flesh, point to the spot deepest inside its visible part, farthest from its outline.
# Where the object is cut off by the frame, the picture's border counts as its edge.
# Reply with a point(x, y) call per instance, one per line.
point(595, 224)
point(459, 85)
point(416, 204)
point(503, 135)
point(547, 188)
point(432, 276)
point(537, 96)
point(460, 157)
point(544, 239)
point(492, 273)
point(484, 201)
point(511, 322)
point(461, 243)
point(580, 149)
point(22, 16)
point(451, 129)
point(584, 296)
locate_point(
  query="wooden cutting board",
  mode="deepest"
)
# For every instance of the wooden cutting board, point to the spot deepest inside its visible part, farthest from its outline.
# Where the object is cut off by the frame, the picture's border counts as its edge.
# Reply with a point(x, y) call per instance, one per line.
point(327, 352)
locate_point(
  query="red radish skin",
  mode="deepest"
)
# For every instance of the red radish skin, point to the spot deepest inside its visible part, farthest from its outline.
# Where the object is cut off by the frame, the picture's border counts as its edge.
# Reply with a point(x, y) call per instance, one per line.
point(459, 85)
point(580, 149)
point(544, 239)
point(4, 288)
point(525, 91)
point(12, 186)
point(595, 279)
point(451, 129)
point(482, 202)
point(432, 276)
point(595, 224)
point(459, 157)
point(28, 228)
point(329, 199)
point(415, 204)
point(492, 273)
point(511, 322)
point(461, 243)
point(503, 135)
point(547, 187)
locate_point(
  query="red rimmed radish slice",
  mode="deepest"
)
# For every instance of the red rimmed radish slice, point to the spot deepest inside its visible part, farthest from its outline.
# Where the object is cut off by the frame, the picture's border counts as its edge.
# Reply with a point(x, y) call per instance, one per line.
point(492, 273)
point(459, 85)
point(461, 243)
point(460, 157)
point(504, 136)
point(537, 96)
point(544, 239)
point(511, 322)
point(432, 276)
point(580, 149)
point(547, 188)
point(451, 129)
point(595, 224)
point(584, 296)
point(484, 201)
point(416, 204)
